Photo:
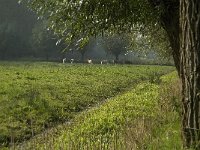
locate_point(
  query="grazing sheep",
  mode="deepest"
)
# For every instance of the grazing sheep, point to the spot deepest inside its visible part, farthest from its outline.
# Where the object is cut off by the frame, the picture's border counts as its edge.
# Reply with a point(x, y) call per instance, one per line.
point(113, 61)
point(64, 60)
point(72, 61)
point(104, 62)
point(89, 61)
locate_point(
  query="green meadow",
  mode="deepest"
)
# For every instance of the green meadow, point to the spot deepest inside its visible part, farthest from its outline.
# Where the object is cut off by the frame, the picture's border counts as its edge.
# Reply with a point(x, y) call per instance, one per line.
point(79, 103)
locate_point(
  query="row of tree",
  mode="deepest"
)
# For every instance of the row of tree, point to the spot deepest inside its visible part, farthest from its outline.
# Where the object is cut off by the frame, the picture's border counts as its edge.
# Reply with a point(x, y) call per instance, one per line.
point(22, 35)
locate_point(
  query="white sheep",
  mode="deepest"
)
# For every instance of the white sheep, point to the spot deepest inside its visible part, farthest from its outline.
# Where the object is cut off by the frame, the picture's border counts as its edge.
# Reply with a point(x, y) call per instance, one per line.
point(113, 61)
point(89, 61)
point(64, 60)
point(72, 61)
point(104, 62)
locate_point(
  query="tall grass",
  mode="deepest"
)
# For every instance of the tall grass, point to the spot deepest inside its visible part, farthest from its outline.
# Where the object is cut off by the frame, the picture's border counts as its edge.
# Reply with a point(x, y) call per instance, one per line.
point(166, 133)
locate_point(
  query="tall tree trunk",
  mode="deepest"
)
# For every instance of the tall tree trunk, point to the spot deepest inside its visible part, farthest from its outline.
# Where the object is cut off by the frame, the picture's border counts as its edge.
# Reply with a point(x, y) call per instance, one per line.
point(3, 53)
point(82, 57)
point(190, 71)
point(170, 22)
point(47, 56)
point(117, 57)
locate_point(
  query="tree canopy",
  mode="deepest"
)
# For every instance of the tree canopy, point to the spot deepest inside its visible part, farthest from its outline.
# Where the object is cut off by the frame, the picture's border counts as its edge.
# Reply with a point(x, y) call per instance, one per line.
point(73, 18)
point(116, 44)
point(179, 19)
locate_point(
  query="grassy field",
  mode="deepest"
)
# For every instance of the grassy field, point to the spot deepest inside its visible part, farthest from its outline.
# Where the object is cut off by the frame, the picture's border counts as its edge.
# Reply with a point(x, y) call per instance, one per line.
point(36, 96)
point(144, 117)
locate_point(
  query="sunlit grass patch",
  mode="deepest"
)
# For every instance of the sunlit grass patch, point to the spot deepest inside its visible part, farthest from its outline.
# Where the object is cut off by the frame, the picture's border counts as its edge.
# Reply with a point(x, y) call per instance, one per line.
point(109, 125)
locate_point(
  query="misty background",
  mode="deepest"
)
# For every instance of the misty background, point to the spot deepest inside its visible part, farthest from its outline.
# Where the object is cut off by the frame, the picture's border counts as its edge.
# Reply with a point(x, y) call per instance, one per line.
point(25, 37)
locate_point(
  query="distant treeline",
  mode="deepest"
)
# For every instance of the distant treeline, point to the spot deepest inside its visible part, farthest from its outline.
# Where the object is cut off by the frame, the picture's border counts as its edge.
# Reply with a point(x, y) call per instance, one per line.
point(25, 37)
point(22, 35)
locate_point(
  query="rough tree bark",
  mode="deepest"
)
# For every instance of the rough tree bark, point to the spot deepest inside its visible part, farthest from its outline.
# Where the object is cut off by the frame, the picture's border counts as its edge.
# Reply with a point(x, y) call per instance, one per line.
point(190, 71)
point(181, 20)
point(170, 22)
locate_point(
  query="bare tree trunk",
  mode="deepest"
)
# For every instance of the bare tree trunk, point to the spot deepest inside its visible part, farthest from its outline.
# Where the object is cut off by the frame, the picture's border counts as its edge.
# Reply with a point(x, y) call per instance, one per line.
point(117, 57)
point(190, 71)
point(170, 22)
point(82, 57)
point(174, 42)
